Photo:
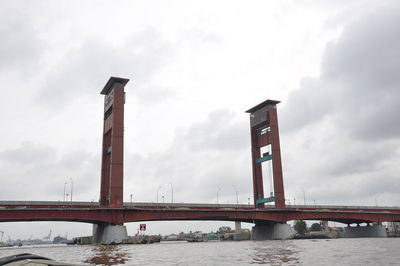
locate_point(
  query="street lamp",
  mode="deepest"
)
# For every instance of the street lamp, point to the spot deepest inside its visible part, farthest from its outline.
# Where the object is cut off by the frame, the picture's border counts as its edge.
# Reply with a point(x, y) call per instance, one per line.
point(218, 194)
point(172, 192)
point(131, 199)
point(162, 198)
point(72, 188)
point(157, 192)
point(65, 185)
point(237, 201)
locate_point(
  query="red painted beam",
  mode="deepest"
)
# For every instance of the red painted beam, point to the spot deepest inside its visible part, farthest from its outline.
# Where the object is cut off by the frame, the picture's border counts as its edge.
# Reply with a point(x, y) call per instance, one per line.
point(123, 215)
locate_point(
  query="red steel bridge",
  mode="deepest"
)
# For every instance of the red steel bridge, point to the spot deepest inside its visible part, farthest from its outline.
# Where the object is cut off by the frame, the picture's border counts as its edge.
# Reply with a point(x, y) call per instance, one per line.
point(89, 212)
point(112, 210)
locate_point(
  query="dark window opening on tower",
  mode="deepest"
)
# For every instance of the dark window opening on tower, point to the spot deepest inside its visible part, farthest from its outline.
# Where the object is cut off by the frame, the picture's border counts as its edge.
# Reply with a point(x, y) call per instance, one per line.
point(108, 113)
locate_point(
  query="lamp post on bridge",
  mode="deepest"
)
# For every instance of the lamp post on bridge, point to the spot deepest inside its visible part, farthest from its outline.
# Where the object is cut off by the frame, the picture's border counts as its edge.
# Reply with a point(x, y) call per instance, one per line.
point(218, 194)
point(65, 186)
point(158, 189)
point(237, 201)
point(72, 188)
point(172, 193)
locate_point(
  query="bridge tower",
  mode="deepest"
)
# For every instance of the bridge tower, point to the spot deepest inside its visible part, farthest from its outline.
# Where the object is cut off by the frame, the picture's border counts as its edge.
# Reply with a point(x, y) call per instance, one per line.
point(265, 147)
point(112, 160)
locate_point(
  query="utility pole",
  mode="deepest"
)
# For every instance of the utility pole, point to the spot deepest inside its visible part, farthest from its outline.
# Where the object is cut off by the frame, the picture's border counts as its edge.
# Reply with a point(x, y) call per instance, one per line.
point(172, 192)
point(72, 188)
point(217, 195)
point(65, 185)
point(237, 201)
point(157, 192)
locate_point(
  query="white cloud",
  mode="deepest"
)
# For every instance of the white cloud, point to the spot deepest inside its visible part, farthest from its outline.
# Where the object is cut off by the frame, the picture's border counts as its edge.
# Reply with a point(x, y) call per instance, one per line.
point(347, 116)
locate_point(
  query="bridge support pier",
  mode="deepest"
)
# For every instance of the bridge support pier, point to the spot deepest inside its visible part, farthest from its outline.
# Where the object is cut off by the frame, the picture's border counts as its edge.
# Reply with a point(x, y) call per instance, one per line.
point(109, 233)
point(271, 231)
point(376, 230)
point(238, 227)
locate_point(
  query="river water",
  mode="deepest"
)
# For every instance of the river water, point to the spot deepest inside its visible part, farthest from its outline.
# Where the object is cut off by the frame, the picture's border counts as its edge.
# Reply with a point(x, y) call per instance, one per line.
point(345, 251)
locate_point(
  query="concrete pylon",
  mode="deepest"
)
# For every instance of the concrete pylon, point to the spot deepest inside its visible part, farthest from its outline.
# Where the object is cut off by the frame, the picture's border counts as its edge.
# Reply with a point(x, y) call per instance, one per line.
point(376, 230)
point(109, 234)
point(238, 227)
point(271, 231)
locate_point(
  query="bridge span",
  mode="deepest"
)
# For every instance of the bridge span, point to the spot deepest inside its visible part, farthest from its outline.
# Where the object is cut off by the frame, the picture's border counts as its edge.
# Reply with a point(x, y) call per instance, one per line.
point(110, 213)
point(92, 212)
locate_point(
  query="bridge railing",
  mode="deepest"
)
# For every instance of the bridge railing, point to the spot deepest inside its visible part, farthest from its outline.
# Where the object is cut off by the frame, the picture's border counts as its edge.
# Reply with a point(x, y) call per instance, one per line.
point(312, 206)
point(91, 204)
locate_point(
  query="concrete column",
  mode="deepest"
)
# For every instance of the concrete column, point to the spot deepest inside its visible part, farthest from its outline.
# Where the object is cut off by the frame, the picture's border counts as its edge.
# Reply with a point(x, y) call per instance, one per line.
point(238, 227)
point(376, 230)
point(109, 234)
point(271, 230)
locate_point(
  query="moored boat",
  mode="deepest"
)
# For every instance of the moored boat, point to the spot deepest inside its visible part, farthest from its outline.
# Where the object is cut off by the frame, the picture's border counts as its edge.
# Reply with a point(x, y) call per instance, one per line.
point(28, 259)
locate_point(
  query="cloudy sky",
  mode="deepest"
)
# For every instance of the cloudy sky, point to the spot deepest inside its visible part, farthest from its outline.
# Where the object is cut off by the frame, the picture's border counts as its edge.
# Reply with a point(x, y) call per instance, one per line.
point(195, 67)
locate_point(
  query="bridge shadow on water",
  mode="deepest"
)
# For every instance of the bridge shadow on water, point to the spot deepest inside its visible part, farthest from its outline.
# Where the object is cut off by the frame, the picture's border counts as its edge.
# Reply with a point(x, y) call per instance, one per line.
point(108, 255)
point(274, 253)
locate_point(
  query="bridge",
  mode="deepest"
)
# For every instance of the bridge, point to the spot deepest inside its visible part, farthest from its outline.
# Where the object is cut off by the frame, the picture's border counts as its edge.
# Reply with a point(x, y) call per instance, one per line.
point(90, 212)
point(110, 213)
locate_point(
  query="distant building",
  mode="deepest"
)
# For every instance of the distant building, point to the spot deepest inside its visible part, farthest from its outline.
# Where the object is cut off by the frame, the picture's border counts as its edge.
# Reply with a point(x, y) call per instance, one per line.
point(324, 225)
point(393, 227)
point(171, 237)
point(198, 234)
point(60, 240)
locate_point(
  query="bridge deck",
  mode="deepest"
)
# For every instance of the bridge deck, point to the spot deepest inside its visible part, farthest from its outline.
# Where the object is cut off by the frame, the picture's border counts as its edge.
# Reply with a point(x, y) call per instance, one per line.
point(91, 212)
point(151, 205)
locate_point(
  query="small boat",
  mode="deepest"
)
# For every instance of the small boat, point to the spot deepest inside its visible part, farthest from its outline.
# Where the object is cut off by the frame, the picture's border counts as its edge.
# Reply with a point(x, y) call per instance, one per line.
point(6, 245)
point(195, 239)
point(27, 259)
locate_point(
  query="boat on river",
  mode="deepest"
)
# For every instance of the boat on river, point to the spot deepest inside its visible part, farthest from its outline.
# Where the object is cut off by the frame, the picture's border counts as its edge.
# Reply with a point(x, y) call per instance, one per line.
point(28, 259)
point(195, 239)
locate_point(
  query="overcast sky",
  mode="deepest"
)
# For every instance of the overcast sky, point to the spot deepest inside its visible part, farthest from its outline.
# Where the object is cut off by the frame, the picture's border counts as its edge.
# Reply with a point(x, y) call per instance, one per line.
point(195, 67)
